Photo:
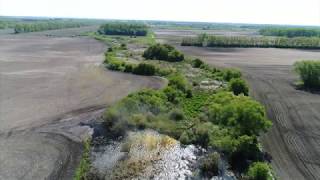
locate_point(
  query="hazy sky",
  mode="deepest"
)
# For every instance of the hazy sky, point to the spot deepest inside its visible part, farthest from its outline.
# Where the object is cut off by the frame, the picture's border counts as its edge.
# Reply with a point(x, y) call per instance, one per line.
point(306, 12)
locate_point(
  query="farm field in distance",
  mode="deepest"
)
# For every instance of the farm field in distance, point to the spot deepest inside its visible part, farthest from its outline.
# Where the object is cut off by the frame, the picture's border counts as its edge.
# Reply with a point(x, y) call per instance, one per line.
point(122, 99)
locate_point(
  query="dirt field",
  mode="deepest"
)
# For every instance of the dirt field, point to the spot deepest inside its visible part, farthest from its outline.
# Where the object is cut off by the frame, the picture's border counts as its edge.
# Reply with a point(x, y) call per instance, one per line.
point(294, 140)
point(47, 87)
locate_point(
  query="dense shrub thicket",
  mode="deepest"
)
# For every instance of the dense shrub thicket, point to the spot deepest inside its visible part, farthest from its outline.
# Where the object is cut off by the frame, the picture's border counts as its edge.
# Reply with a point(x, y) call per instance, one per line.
point(259, 171)
point(238, 86)
point(216, 119)
point(123, 29)
point(163, 52)
point(309, 72)
point(290, 32)
point(43, 26)
point(259, 42)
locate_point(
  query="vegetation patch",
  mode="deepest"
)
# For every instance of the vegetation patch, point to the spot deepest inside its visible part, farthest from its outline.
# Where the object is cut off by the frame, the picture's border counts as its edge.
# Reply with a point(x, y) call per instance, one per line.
point(290, 32)
point(246, 42)
point(309, 72)
point(163, 52)
point(85, 164)
point(222, 118)
point(127, 29)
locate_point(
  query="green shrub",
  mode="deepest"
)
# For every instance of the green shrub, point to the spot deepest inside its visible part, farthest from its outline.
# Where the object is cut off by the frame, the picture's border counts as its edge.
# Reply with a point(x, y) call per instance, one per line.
point(309, 72)
point(144, 69)
point(176, 115)
point(229, 74)
point(247, 150)
point(245, 115)
point(238, 86)
point(128, 67)
point(128, 29)
point(210, 165)
point(259, 171)
point(197, 63)
point(163, 52)
point(173, 95)
point(179, 82)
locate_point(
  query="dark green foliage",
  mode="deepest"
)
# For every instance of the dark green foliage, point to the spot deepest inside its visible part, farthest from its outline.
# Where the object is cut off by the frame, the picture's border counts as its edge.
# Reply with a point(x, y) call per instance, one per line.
point(123, 29)
point(238, 86)
point(163, 52)
point(173, 95)
point(128, 68)
point(176, 115)
point(229, 74)
point(290, 32)
point(259, 171)
point(309, 72)
point(144, 69)
point(259, 42)
point(246, 151)
point(197, 63)
point(210, 165)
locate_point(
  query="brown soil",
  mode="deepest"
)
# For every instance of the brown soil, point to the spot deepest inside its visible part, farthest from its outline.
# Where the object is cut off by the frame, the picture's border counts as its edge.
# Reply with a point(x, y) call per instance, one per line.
point(47, 87)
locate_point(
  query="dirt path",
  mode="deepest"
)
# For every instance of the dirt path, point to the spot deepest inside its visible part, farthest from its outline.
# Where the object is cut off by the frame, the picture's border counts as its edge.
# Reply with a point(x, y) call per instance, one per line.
point(47, 87)
point(294, 140)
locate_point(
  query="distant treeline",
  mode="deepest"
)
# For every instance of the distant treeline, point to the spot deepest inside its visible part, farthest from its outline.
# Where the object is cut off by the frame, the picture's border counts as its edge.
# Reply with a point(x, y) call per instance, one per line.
point(259, 42)
point(290, 32)
point(123, 29)
point(43, 26)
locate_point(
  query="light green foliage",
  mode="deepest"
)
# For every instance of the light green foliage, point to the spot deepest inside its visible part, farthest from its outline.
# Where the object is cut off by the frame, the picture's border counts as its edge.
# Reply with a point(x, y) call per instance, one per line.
point(290, 32)
point(192, 107)
point(259, 171)
point(238, 86)
point(47, 25)
point(259, 42)
point(240, 112)
point(309, 71)
point(85, 164)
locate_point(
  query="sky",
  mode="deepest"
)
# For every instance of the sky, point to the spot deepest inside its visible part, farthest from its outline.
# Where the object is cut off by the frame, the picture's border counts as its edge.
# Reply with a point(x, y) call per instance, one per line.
point(298, 12)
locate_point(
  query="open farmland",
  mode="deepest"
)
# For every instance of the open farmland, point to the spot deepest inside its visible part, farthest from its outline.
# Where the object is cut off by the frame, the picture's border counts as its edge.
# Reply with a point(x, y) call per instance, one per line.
point(48, 86)
point(294, 138)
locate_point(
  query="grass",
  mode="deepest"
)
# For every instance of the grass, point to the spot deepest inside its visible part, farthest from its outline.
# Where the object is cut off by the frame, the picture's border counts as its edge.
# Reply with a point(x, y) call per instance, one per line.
point(85, 164)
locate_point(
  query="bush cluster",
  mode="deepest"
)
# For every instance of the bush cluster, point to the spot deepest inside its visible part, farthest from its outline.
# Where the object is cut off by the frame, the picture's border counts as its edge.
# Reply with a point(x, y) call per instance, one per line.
point(163, 52)
point(259, 171)
point(309, 72)
point(123, 29)
point(290, 32)
point(43, 26)
point(259, 42)
point(238, 86)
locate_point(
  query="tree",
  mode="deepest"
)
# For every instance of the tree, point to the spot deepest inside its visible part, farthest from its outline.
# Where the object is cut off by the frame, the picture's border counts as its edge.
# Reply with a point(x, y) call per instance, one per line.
point(259, 171)
point(163, 52)
point(238, 86)
point(309, 72)
point(144, 69)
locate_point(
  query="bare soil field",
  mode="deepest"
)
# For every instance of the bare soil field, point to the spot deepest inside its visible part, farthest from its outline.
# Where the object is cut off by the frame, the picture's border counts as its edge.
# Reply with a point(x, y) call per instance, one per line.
point(47, 87)
point(294, 140)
